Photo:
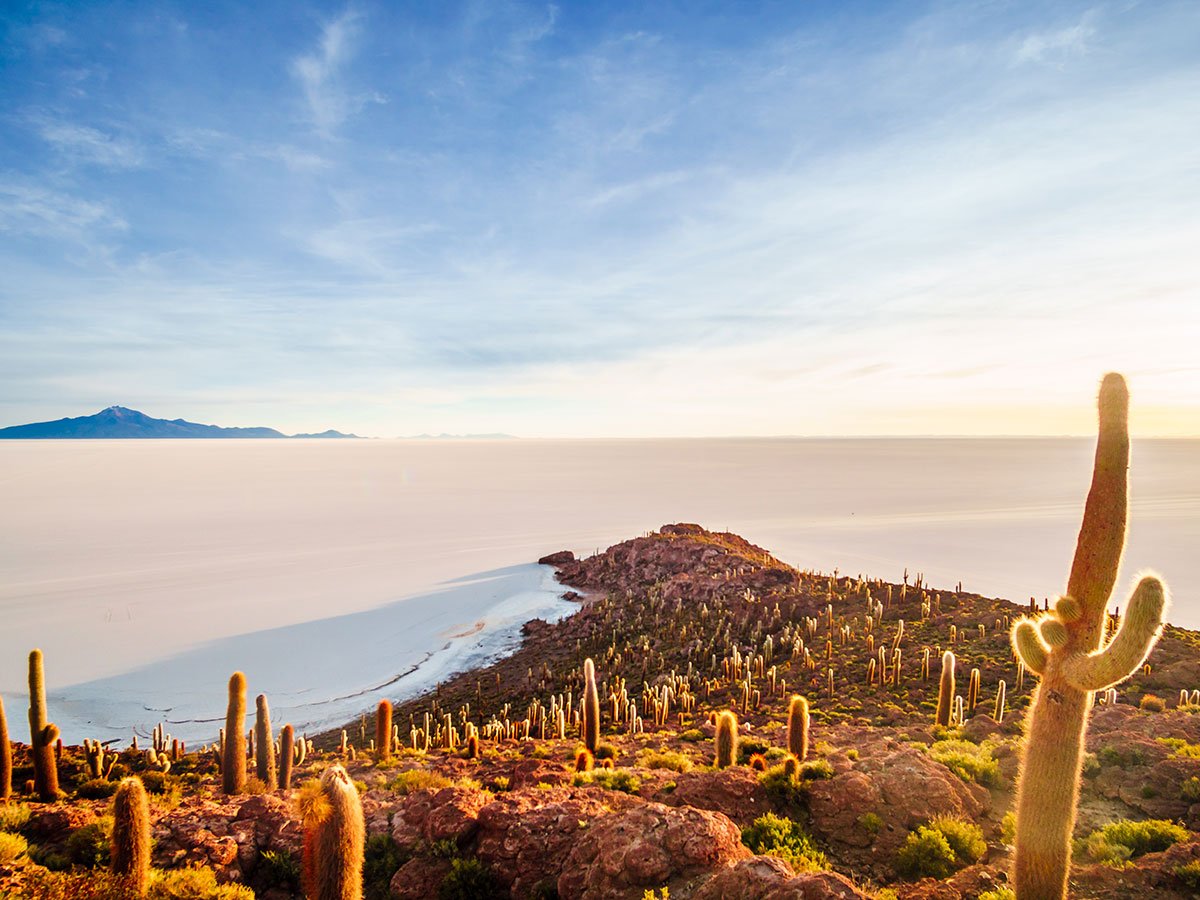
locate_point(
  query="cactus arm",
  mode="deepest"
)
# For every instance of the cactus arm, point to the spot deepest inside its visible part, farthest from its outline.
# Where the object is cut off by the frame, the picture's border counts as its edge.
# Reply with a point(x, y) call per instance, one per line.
point(1132, 644)
point(1102, 533)
point(1029, 647)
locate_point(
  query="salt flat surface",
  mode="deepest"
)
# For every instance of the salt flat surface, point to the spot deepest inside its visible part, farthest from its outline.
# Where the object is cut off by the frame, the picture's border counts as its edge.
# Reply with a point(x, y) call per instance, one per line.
point(139, 561)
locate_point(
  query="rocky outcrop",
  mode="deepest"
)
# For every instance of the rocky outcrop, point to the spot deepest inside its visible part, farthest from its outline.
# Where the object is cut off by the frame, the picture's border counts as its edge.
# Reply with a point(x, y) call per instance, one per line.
point(768, 878)
point(649, 846)
point(733, 792)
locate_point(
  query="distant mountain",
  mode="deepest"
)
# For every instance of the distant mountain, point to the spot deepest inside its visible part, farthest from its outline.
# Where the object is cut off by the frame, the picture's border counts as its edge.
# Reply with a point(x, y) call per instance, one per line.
point(119, 422)
point(327, 434)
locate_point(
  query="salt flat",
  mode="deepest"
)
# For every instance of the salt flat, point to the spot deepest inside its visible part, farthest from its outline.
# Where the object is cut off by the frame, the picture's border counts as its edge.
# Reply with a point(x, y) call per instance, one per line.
point(166, 564)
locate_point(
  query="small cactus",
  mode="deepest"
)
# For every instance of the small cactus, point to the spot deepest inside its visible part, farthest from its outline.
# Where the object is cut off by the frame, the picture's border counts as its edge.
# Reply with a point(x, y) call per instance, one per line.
point(43, 734)
point(591, 707)
point(973, 691)
point(131, 835)
point(946, 690)
point(998, 713)
point(383, 731)
point(264, 746)
point(584, 760)
point(797, 728)
point(334, 838)
point(233, 756)
point(5, 757)
point(726, 739)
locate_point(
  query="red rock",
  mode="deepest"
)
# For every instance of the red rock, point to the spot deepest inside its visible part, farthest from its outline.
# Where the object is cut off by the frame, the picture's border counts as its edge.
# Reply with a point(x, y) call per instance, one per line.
point(648, 846)
point(734, 792)
point(561, 558)
point(419, 878)
point(769, 878)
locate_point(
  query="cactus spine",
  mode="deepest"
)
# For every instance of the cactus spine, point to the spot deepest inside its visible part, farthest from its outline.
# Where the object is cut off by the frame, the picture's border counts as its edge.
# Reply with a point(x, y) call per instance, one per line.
point(233, 756)
point(42, 734)
point(5, 757)
point(131, 835)
point(1063, 648)
point(946, 689)
point(797, 728)
point(264, 745)
point(334, 840)
point(591, 707)
point(287, 753)
point(383, 731)
point(727, 734)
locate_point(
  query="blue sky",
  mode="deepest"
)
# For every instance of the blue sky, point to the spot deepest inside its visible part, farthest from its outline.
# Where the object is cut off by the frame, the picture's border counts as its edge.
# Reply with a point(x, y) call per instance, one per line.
point(601, 218)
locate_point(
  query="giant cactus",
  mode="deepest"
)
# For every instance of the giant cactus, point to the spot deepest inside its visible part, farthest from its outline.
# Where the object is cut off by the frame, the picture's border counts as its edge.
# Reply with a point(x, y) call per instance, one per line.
point(233, 755)
point(5, 757)
point(1063, 647)
point(42, 734)
point(264, 744)
point(591, 707)
point(334, 838)
point(131, 835)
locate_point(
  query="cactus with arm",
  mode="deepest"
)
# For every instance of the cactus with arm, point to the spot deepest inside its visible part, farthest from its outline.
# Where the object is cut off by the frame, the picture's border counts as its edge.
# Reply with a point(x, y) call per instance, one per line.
point(1063, 649)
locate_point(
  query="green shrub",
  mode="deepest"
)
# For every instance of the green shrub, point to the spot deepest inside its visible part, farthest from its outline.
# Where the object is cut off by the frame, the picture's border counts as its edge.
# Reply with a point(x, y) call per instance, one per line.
point(195, 884)
point(418, 780)
point(88, 845)
point(782, 788)
point(1190, 790)
point(155, 782)
point(13, 816)
point(870, 822)
point(605, 751)
point(96, 789)
point(1000, 893)
point(774, 835)
point(1122, 840)
point(1189, 874)
point(1181, 749)
point(468, 879)
point(615, 780)
point(12, 848)
point(816, 770)
point(99, 885)
point(1008, 828)
point(381, 859)
point(748, 746)
point(1151, 703)
point(279, 869)
point(692, 735)
point(970, 762)
point(940, 848)
point(667, 759)
point(925, 854)
point(1091, 765)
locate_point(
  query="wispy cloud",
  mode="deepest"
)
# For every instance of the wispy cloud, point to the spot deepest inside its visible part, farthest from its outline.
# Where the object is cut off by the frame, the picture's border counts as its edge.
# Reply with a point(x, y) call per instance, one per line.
point(1057, 45)
point(83, 144)
point(321, 74)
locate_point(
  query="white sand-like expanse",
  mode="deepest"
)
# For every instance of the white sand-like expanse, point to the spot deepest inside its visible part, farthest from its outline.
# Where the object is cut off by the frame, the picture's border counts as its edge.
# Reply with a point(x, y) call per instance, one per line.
point(328, 570)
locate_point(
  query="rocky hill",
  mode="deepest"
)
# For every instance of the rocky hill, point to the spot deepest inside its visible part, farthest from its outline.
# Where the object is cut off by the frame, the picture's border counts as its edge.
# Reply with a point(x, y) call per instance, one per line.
point(486, 792)
point(117, 422)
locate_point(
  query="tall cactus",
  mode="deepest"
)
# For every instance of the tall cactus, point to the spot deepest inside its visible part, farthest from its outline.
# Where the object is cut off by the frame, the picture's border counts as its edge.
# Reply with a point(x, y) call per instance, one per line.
point(264, 743)
point(334, 839)
point(797, 728)
point(287, 754)
point(5, 757)
point(946, 690)
point(42, 734)
point(233, 757)
point(591, 707)
point(383, 731)
point(131, 835)
point(1063, 648)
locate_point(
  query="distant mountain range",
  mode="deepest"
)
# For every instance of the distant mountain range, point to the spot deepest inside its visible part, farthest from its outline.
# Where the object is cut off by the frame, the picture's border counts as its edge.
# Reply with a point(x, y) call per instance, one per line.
point(458, 437)
point(119, 422)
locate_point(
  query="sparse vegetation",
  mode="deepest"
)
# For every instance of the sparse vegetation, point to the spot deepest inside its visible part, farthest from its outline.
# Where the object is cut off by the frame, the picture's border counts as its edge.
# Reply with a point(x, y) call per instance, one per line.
point(773, 835)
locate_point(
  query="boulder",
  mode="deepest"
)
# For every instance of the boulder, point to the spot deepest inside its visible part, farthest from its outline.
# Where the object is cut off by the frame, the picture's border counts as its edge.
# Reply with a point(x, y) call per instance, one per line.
point(769, 878)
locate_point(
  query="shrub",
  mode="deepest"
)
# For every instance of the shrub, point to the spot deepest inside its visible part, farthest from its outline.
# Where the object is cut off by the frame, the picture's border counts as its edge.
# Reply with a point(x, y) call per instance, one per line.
point(605, 751)
point(1189, 874)
point(774, 835)
point(468, 879)
point(279, 869)
point(1000, 893)
point(96, 789)
point(12, 848)
point(381, 859)
point(1091, 765)
point(667, 759)
point(816, 770)
point(926, 854)
point(1008, 828)
point(616, 780)
point(747, 747)
point(964, 838)
point(196, 884)
point(13, 816)
point(1151, 703)
point(417, 780)
point(154, 782)
point(970, 762)
point(1181, 749)
point(88, 846)
point(1123, 839)
point(692, 735)
point(781, 787)
point(870, 823)
point(1190, 790)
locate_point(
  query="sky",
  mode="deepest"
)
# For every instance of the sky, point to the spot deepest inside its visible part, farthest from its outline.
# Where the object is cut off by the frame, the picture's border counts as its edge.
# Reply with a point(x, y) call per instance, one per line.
point(601, 219)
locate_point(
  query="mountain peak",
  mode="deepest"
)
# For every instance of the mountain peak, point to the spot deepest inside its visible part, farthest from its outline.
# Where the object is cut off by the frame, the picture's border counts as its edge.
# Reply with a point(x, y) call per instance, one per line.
point(121, 422)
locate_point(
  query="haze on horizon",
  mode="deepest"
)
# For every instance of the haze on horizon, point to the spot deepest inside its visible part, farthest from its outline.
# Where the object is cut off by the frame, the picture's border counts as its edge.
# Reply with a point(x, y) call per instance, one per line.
point(601, 219)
